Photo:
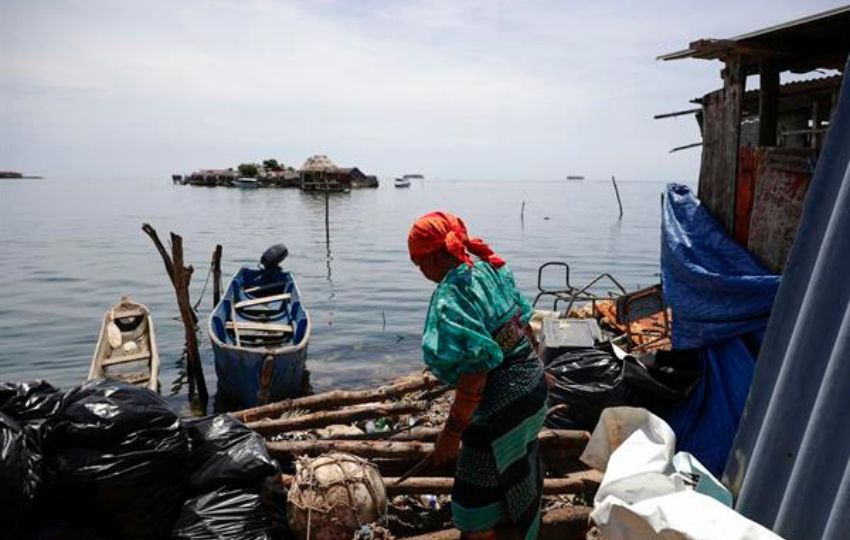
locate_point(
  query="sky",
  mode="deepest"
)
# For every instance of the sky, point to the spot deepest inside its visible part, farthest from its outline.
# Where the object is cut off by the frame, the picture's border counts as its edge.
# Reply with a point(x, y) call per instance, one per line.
point(454, 89)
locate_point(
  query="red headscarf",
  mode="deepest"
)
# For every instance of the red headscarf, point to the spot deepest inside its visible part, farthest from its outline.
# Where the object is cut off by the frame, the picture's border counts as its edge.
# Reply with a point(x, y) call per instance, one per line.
point(441, 230)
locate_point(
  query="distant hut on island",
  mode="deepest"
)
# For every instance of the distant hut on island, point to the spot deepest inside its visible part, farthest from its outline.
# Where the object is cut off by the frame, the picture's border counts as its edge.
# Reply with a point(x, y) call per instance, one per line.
point(213, 177)
point(319, 173)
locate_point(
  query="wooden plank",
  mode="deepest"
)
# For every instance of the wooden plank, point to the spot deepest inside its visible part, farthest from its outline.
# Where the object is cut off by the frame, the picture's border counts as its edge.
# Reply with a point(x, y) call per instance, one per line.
point(721, 133)
point(259, 327)
point(263, 300)
point(263, 288)
point(127, 313)
point(126, 358)
point(134, 378)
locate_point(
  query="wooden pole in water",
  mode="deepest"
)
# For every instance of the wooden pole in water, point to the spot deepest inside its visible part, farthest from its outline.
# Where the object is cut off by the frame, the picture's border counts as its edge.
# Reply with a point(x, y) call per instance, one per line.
point(216, 274)
point(327, 217)
point(166, 259)
point(182, 275)
point(617, 191)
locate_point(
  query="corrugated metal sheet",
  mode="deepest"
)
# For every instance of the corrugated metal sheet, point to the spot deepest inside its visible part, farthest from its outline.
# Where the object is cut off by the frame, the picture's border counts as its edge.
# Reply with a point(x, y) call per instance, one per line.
point(789, 464)
point(785, 35)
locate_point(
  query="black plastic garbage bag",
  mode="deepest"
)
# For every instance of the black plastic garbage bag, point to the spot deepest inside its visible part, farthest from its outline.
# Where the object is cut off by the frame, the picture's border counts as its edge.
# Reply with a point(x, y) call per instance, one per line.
point(25, 409)
point(118, 459)
point(588, 381)
point(661, 379)
point(33, 401)
point(226, 513)
point(20, 474)
point(225, 452)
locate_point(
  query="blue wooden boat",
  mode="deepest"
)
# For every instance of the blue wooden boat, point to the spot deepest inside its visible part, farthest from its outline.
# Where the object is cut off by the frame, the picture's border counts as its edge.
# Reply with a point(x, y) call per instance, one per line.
point(259, 332)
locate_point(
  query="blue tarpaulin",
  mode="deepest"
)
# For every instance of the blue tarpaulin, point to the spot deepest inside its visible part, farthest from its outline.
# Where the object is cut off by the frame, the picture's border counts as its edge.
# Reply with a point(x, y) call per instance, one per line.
point(721, 297)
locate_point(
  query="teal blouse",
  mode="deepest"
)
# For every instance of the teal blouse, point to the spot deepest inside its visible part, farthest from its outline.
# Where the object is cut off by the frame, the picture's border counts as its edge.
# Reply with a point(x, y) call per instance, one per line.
point(467, 307)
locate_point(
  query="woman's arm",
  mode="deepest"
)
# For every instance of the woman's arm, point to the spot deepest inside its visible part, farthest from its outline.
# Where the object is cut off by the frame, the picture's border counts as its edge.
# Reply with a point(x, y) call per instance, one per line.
point(470, 389)
point(535, 345)
point(532, 339)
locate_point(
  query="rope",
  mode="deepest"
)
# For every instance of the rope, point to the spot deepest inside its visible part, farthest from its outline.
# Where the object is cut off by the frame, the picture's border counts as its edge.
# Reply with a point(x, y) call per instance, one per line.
point(204, 290)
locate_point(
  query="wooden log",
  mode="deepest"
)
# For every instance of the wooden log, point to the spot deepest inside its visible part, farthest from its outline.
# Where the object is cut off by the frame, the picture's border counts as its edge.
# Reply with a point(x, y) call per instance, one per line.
point(565, 443)
point(568, 523)
point(216, 274)
point(290, 450)
point(182, 275)
point(552, 441)
point(441, 485)
point(339, 398)
point(327, 418)
point(448, 534)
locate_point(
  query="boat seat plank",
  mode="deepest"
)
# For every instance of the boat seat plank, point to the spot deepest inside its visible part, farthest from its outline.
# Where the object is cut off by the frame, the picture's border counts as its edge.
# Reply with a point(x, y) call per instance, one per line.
point(259, 327)
point(126, 358)
point(264, 300)
point(267, 287)
point(127, 313)
point(133, 378)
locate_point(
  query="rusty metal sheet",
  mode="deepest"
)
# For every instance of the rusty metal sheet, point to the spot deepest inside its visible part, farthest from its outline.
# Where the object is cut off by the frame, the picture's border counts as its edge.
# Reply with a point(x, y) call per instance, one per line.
point(782, 182)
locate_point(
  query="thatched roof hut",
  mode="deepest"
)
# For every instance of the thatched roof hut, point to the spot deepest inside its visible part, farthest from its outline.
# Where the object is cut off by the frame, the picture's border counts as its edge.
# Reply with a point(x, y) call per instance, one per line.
point(318, 163)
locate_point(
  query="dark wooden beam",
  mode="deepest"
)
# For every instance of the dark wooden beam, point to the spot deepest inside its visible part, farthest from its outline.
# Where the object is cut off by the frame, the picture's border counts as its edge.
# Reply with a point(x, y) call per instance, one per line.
point(734, 82)
point(768, 102)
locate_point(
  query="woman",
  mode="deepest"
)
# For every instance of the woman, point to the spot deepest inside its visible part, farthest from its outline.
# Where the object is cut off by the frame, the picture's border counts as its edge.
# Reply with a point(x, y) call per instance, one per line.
point(476, 338)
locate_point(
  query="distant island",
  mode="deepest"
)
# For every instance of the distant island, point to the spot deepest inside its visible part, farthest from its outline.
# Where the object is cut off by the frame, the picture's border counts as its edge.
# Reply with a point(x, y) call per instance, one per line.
point(15, 175)
point(317, 174)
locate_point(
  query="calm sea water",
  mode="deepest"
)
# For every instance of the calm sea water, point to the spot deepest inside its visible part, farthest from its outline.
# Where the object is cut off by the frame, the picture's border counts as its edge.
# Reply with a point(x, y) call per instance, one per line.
point(70, 248)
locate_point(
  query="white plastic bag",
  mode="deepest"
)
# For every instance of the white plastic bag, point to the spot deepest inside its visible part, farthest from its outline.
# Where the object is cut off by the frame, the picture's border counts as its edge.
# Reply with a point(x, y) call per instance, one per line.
point(648, 493)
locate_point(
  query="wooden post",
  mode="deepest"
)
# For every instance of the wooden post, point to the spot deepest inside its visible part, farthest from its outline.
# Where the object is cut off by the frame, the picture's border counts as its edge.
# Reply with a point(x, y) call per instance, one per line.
point(166, 259)
point(327, 217)
point(617, 192)
point(814, 142)
point(216, 274)
point(182, 275)
point(734, 81)
point(768, 102)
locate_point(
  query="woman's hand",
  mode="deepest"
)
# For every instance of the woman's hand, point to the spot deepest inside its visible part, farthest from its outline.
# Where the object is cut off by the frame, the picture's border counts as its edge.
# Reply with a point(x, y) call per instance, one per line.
point(551, 381)
point(447, 448)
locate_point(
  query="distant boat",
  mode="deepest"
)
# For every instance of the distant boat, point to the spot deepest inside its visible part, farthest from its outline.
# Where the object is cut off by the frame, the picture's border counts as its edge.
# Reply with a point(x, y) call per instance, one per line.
point(177, 178)
point(403, 182)
point(246, 183)
point(575, 177)
point(414, 176)
point(126, 348)
point(259, 333)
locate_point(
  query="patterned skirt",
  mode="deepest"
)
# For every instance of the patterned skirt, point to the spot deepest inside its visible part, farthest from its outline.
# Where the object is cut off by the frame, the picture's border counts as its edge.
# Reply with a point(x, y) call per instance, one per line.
point(499, 477)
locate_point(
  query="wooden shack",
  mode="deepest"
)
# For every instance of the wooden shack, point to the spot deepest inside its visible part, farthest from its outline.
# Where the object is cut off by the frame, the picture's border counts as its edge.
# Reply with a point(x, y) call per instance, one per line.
point(759, 146)
point(320, 174)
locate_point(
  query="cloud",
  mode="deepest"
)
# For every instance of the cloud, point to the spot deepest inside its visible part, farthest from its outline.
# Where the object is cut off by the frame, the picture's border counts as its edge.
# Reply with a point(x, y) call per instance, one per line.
point(484, 89)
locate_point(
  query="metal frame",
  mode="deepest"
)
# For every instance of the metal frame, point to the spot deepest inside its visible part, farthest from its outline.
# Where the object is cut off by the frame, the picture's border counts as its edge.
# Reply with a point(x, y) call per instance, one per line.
point(571, 293)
